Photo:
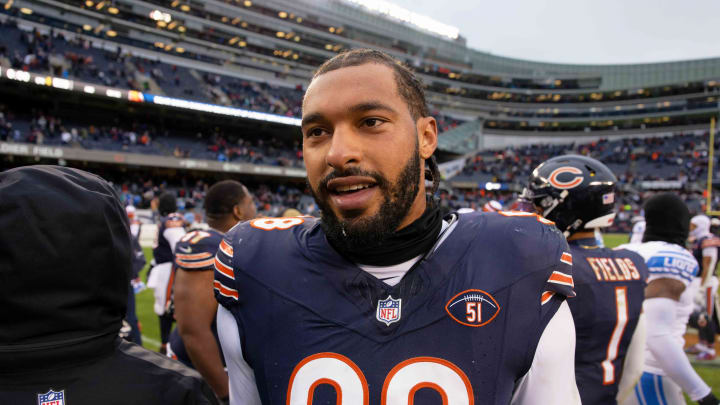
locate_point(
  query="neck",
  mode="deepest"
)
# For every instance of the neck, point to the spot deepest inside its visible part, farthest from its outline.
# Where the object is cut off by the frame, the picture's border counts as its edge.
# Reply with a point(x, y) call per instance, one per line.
point(417, 210)
point(582, 235)
point(222, 225)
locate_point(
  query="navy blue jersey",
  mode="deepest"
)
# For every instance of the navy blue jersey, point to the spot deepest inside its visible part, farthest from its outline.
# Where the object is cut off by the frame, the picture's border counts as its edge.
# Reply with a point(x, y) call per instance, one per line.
point(610, 287)
point(702, 243)
point(194, 252)
point(464, 321)
point(163, 251)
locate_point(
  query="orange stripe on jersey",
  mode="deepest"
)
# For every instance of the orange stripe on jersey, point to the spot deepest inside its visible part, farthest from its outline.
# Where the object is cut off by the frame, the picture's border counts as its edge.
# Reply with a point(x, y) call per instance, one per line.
point(196, 256)
point(226, 291)
point(566, 258)
point(561, 278)
point(223, 269)
point(546, 297)
point(195, 265)
point(227, 249)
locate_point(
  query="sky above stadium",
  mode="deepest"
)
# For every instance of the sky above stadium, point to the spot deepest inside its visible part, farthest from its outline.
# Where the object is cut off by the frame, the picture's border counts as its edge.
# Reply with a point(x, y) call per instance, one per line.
point(583, 31)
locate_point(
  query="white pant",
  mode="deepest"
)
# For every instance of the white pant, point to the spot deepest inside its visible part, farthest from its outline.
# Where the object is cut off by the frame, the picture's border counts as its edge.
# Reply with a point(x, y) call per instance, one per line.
point(653, 389)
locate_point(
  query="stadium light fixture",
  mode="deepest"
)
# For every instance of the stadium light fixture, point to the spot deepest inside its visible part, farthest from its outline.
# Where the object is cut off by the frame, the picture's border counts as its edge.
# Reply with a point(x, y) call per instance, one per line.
point(113, 10)
point(181, 29)
point(407, 16)
point(280, 34)
point(242, 44)
point(282, 14)
point(8, 4)
point(100, 5)
point(158, 15)
point(111, 33)
point(296, 39)
point(161, 24)
point(87, 27)
point(247, 3)
point(26, 11)
point(179, 50)
point(89, 3)
point(299, 20)
point(185, 8)
point(89, 89)
point(174, 3)
point(331, 29)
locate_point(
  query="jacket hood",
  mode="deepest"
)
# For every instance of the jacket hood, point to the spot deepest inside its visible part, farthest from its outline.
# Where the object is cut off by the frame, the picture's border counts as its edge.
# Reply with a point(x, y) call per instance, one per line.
point(65, 258)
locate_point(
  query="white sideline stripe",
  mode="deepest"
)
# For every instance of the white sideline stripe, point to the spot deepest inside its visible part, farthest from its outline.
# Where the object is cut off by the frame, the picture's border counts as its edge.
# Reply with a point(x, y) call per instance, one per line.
point(152, 341)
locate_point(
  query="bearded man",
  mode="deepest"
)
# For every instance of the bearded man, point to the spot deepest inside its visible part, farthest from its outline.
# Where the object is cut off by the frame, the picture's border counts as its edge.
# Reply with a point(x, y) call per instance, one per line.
point(382, 300)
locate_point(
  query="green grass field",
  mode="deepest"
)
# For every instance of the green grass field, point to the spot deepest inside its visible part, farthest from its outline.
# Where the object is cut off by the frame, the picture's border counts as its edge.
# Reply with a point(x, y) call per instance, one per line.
point(151, 330)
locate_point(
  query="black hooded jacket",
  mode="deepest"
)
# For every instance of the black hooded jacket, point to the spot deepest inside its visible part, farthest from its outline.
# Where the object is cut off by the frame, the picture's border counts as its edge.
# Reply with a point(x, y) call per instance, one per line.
point(65, 262)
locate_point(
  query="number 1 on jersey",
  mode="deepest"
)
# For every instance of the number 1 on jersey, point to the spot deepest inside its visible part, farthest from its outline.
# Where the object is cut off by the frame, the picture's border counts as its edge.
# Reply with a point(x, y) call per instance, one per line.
point(621, 306)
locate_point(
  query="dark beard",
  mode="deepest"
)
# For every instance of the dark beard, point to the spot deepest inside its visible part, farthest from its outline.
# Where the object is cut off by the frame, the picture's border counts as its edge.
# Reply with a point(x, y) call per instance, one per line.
point(368, 232)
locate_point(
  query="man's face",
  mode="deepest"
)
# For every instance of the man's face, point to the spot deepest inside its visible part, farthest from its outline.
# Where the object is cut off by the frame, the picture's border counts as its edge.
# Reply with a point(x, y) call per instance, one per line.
point(247, 208)
point(363, 151)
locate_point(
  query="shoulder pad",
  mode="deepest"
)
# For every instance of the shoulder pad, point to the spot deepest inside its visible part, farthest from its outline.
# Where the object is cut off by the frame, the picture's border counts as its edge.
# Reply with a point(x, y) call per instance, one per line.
point(526, 238)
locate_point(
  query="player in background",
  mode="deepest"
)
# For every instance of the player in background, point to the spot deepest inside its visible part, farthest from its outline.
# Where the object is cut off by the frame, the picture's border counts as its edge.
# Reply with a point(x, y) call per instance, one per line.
point(382, 301)
point(170, 231)
point(135, 225)
point(638, 229)
point(705, 247)
point(578, 194)
point(132, 332)
point(672, 286)
point(194, 341)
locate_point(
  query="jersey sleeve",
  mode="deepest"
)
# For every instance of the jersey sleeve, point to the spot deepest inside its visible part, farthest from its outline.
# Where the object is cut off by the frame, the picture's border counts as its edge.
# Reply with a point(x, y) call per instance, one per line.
point(224, 281)
point(677, 265)
point(560, 281)
point(194, 257)
point(666, 261)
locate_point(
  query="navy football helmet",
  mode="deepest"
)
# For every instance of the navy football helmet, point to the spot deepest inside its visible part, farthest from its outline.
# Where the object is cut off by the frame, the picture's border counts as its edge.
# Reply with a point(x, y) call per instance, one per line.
point(575, 192)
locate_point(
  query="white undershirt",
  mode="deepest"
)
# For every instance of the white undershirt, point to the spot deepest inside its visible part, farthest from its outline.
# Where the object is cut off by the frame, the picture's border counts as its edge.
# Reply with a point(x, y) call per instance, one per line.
point(551, 379)
point(391, 275)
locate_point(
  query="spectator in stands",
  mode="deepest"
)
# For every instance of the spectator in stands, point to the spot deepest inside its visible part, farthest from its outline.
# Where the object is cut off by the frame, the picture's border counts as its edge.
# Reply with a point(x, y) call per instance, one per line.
point(63, 290)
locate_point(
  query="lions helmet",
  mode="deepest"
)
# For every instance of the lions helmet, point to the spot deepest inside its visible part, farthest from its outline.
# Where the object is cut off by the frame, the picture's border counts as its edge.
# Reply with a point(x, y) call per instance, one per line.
point(573, 191)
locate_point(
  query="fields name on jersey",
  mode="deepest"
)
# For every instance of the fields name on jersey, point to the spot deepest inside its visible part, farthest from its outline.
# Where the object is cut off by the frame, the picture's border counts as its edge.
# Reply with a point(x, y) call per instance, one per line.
point(613, 269)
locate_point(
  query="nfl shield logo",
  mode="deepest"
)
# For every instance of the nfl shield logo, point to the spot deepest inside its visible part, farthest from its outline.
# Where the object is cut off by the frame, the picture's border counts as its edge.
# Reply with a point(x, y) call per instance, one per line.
point(388, 310)
point(52, 398)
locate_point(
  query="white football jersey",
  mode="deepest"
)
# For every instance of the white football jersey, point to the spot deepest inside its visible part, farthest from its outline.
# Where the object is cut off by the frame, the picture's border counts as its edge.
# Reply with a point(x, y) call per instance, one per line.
point(667, 260)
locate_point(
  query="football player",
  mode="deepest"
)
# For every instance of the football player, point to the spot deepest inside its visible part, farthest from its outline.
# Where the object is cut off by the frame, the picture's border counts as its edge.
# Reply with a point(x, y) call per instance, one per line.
point(194, 342)
point(382, 301)
point(578, 194)
point(705, 247)
point(170, 230)
point(672, 286)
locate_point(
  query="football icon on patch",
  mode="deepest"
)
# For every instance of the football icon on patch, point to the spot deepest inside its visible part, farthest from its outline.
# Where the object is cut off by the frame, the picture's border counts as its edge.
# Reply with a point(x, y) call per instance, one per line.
point(388, 310)
point(473, 308)
point(52, 398)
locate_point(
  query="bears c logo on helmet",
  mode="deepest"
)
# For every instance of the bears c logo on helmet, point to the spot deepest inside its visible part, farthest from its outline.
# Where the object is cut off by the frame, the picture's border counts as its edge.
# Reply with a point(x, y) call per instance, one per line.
point(574, 182)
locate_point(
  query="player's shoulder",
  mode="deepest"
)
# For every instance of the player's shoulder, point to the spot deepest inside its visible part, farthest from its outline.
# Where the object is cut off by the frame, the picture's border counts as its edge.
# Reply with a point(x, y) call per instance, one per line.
point(270, 233)
point(199, 241)
point(520, 236)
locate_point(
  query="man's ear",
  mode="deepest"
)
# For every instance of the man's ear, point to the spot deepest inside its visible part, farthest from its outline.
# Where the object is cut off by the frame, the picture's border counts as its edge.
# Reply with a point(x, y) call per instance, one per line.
point(427, 136)
point(237, 213)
